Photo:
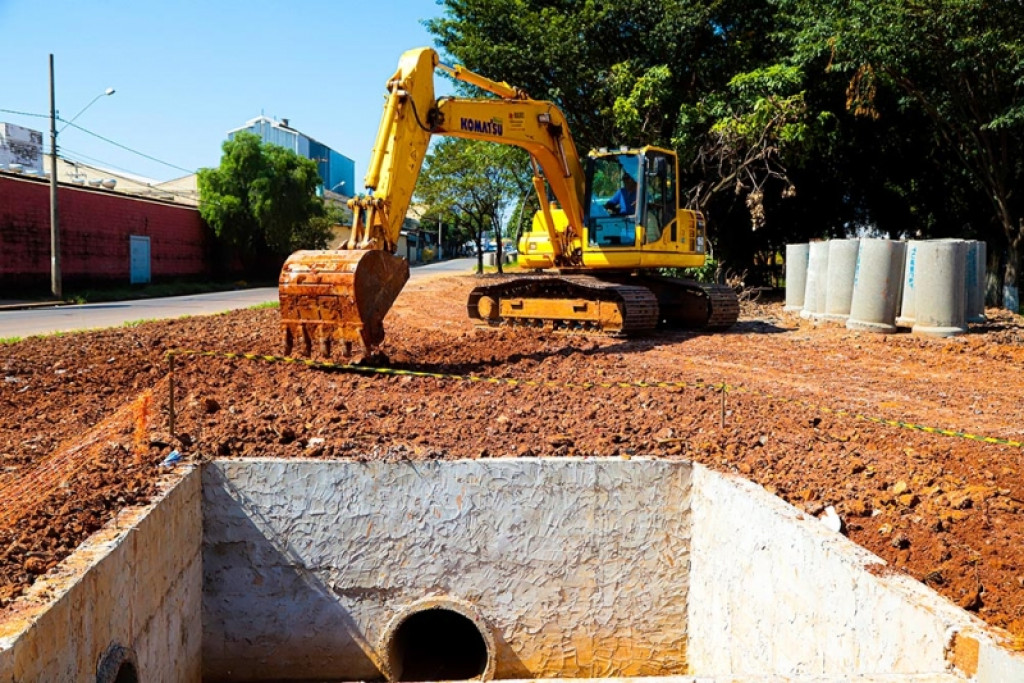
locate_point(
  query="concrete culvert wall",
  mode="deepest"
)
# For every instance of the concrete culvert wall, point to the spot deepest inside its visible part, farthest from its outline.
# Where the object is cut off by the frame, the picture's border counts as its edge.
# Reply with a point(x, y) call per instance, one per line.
point(576, 568)
point(552, 568)
point(125, 607)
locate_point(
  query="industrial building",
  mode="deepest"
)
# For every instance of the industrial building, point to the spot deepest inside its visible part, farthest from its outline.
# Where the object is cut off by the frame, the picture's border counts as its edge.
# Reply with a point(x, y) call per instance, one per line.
point(337, 171)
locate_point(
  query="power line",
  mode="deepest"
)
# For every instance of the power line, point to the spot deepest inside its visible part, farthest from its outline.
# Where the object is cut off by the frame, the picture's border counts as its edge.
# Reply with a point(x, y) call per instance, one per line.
point(128, 149)
point(104, 163)
point(25, 113)
point(105, 139)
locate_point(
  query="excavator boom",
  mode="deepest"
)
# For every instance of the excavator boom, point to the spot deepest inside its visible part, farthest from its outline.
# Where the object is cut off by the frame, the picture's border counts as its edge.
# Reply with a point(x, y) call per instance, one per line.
point(333, 300)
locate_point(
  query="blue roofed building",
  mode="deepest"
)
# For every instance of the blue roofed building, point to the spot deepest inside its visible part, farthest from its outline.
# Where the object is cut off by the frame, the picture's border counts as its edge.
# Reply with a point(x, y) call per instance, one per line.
point(337, 171)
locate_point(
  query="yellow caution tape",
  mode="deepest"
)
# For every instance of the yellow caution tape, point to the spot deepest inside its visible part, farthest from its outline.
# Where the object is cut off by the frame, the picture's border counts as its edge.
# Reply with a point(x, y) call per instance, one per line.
point(508, 381)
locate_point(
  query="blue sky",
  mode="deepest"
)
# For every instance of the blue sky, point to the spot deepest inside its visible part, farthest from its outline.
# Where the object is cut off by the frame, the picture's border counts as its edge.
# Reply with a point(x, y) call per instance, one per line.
point(185, 72)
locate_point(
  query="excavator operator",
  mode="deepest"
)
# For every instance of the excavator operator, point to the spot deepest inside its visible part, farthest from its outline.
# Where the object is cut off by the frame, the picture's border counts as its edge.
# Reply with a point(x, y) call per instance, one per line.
point(623, 202)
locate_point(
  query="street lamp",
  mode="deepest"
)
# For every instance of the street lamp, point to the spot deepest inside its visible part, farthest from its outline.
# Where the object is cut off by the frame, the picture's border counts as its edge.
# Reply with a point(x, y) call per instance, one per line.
point(108, 91)
point(55, 279)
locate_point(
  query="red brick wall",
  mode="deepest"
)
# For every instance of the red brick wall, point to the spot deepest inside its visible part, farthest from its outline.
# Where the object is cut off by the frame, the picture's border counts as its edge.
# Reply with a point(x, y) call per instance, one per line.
point(94, 229)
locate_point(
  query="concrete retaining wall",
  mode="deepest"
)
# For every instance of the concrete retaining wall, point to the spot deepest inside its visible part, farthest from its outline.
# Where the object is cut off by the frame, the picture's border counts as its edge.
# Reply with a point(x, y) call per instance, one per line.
point(772, 590)
point(136, 584)
point(570, 568)
point(578, 567)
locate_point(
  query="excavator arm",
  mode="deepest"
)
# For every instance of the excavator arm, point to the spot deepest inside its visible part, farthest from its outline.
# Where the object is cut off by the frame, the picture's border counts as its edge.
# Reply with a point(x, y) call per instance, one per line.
point(412, 116)
point(342, 296)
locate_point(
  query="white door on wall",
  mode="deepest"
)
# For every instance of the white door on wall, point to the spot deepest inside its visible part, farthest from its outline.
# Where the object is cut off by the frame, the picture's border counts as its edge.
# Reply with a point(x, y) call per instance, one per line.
point(139, 249)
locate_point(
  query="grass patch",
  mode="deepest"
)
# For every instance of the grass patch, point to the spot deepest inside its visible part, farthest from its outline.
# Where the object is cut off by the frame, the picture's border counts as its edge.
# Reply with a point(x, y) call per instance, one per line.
point(265, 304)
point(10, 340)
point(136, 323)
point(152, 291)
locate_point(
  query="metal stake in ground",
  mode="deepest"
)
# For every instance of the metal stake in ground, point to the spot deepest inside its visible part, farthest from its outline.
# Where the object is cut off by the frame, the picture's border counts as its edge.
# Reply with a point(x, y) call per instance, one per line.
point(723, 404)
point(170, 393)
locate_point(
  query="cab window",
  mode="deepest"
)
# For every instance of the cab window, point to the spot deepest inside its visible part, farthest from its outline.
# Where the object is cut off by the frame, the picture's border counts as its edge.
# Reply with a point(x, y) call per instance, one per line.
point(659, 201)
point(614, 198)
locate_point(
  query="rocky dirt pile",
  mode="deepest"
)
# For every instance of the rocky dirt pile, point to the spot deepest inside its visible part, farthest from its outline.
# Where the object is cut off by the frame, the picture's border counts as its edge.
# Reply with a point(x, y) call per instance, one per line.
point(805, 414)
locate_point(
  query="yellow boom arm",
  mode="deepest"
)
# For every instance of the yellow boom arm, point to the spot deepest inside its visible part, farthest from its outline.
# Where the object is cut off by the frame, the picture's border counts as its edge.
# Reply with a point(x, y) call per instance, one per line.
point(412, 115)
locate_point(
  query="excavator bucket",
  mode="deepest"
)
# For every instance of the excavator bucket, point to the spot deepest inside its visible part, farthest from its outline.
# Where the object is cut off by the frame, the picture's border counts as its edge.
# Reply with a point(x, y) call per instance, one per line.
point(332, 300)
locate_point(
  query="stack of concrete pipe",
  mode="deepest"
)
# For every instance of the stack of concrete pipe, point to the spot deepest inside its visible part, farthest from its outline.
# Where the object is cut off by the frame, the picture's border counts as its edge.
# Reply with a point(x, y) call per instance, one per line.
point(815, 281)
point(796, 275)
point(866, 282)
point(842, 267)
point(877, 285)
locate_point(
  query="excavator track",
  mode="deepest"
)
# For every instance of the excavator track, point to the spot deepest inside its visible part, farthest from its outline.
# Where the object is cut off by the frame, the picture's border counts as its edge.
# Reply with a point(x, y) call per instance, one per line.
point(616, 305)
point(691, 304)
point(565, 302)
point(725, 307)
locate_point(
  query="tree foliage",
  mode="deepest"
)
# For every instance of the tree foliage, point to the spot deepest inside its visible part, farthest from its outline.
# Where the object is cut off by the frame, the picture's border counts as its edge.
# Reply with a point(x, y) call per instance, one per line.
point(803, 118)
point(473, 182)
point(640, 72)
point(959, 63)
point(587, 55)
point(263, 197)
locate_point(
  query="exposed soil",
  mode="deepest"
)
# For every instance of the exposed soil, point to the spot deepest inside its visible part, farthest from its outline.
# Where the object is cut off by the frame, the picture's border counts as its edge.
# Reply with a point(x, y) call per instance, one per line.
point(947, 510)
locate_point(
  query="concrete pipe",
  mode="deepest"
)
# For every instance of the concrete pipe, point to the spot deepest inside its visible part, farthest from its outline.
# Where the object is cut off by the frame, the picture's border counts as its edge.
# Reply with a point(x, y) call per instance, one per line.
point(907, 298)
point(842, 263)
point(817, 281)
point(976, 255)
point(941, 303)
point(876, 286)
point(796, 275)
point(438, 638)
point(1011, 298)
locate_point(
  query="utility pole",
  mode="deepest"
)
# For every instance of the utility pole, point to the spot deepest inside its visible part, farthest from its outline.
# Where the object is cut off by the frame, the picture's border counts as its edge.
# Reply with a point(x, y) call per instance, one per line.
point(55, 283)
point(439, 224)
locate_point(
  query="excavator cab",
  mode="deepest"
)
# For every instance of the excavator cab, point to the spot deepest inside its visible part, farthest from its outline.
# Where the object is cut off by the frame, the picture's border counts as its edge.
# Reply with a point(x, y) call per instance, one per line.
point(631, 198)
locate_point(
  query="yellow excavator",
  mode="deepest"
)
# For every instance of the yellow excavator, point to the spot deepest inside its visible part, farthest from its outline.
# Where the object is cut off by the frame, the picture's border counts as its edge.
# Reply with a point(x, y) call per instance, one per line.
point(607, 224)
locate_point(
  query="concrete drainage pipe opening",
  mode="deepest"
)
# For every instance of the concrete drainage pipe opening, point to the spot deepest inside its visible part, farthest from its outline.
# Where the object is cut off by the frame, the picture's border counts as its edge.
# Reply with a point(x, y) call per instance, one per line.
point(126, 674)
point(437, 643)
point(117, 666)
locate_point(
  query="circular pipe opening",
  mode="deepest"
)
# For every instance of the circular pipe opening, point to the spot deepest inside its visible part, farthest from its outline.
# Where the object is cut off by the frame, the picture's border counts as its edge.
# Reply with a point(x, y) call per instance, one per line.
point(117, 666)
point(127, 674)
point(438, 639)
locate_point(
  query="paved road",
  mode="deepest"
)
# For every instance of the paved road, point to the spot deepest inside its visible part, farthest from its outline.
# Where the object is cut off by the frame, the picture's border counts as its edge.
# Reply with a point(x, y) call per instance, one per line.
point(27, 322)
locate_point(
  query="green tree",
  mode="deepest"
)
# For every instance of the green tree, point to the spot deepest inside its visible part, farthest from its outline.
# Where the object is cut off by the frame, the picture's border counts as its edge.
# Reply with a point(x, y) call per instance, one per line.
point(619, 70)
point(474, 182)
point(658, 72)
point(959, 64)
point(263, 198)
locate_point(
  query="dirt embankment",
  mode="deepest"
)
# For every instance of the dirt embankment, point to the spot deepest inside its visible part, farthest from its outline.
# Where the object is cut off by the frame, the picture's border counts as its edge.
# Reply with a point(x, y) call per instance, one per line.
point(947, 510)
